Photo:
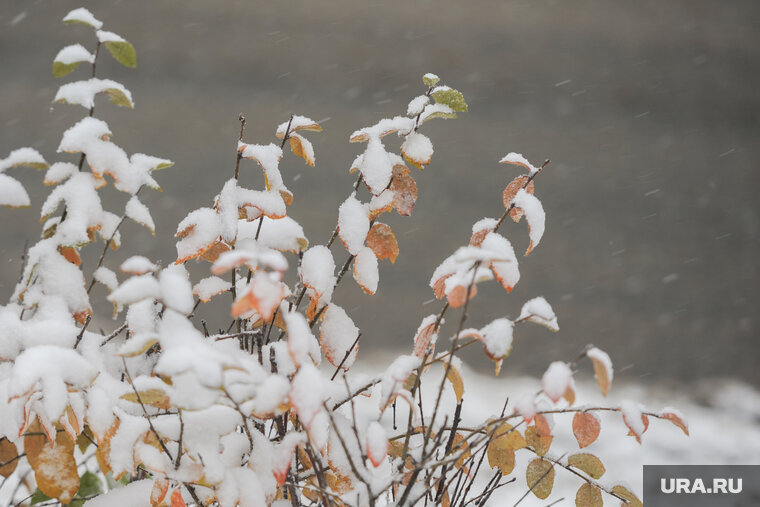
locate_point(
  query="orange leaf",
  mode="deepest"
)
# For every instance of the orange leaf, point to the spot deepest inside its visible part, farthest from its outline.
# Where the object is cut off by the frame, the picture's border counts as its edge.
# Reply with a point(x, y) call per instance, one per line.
point(301, 147)
point(55, 468)
point(103, 454)
point(264, 296)
point(676, 418)
point(458, 295)
point(424, 337)
point(439, 287)
point(8, 455)
point(70, 254)
point(404, 190)
point(177, 500)
point(585, 428)
point(511, 191)
point(542, 426)
point(81, 316)
point(159, 490)
point(212, 252)
point(383, 242)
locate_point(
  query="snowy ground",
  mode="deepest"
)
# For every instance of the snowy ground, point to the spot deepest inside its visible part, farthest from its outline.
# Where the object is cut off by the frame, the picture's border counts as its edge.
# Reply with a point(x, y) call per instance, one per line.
point(723, 418)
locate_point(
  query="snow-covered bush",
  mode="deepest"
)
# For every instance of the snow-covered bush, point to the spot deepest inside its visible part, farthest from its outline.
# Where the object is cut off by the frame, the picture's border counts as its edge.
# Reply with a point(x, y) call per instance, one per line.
point(271, 410)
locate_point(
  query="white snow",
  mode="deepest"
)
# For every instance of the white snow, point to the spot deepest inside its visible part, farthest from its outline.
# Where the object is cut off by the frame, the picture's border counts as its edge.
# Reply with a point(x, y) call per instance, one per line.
point(74, 53)
point(23, 156)
point(140, 213)
point(176, 291)
point(534, 214)
point(302, 344)
point(556, 380)
point(82, 15)
point(507, 271)
point(376, 443)
point(298, 122)
point(417, 148)
point(417, 105)
point(104, 36)
point(59, 172)
point(284, 234)
point(366, 270)
point(134, 494)
point(106, 277)
point(83, 93)
point(198, 230)
point(376, 166)
point(138, 265)
point(307, 393)
point(497, 338)
point(210, 287)
point(538, 310)
point(632, 416)
point(517, 159)
point(12, 193)
point(437, 111)
point(597, 354)
point(336, 334)
point(136, 289)
point(317, 268)
point(353, 224)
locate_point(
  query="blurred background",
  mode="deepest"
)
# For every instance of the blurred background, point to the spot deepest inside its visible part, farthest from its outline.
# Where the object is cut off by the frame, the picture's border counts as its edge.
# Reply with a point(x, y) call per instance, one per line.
point(648, 110)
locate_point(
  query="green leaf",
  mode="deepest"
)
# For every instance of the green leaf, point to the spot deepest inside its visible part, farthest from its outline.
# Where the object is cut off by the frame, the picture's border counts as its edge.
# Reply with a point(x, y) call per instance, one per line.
point(60, 69)
point(118, 97)
point(89, 485)
point(39, 497)
point(450, 97)
point(123, 52)
point(441, 114)
point(430, 79)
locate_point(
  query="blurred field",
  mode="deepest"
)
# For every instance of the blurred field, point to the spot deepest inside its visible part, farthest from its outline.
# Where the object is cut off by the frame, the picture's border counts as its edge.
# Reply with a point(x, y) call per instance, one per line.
point(648, 110)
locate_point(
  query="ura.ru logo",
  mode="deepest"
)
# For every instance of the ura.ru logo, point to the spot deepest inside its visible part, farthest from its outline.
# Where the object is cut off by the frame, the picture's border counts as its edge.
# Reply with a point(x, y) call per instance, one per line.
point(719, 485)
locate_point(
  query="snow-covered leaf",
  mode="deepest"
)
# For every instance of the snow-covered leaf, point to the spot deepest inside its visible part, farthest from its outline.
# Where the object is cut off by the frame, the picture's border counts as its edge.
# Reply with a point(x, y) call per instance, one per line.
point(307, 393)
point(366, 270)
point(376, 443)
point(535, 216)
point(603, 371)
point(83, 93)
point(353, 224)
point(450, 97)
point(69, 59)
point(539, 311)
point(676, 417)
point(210, 287)
point(83, 16)
point(55, 469)
point(417, 149)
point(336, 335)
point(556, 380)
point(301, 147)
point(140, 213)
point(518, 160)
point(122, 51)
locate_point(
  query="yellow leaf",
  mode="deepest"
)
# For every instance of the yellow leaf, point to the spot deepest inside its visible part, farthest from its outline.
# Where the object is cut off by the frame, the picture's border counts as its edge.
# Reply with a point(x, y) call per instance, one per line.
point(539, 443)
point(153, 397)
point(502, 458)
point(627, 495)
point(540, 477)
point(301, 147)
point(590, 464)
point(55, 468)
point(456, 382)
point(588, 496)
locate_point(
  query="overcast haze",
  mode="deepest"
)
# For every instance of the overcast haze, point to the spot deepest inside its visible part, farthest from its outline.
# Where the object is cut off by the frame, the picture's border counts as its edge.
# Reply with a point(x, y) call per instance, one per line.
point(649, 111)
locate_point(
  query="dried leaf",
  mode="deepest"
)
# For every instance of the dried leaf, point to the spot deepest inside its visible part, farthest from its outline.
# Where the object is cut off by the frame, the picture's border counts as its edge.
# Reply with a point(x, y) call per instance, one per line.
point(585, 428)
point(404, 191)
point(676, 418)
point(539, 443)
point(177, 500)
point(588, 463)
point(588, 496)
point(459, 445)
point(301, 147)
point(542, 426)
point(631, 499)
point(55, 468)
point(159, 490)
point(8, 455)
point(70, 254)
point(456, 382)
point(602, 368)
point(509, 194)
point(103, 454)
point(540, 477)
point(501, 457)
point(153, 397)
point(383, 242)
